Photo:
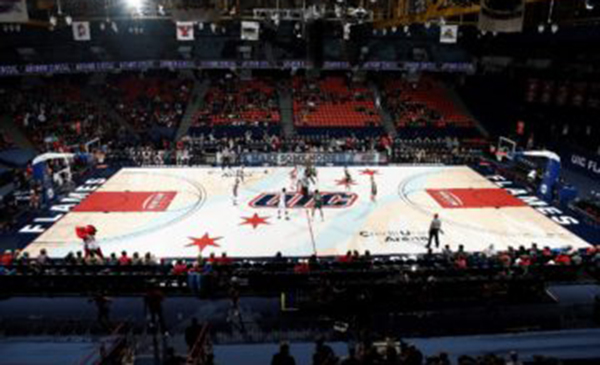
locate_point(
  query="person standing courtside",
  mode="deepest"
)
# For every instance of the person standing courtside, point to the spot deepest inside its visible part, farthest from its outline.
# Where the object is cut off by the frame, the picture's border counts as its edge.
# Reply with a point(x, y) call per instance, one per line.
point(434, 231)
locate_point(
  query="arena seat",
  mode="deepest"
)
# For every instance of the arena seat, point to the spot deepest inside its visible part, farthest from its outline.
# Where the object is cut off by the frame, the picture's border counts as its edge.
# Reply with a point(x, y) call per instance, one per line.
point(233, 102)
point(424, 105)
point(149, 100)
point(58, 120)
point(333, 102)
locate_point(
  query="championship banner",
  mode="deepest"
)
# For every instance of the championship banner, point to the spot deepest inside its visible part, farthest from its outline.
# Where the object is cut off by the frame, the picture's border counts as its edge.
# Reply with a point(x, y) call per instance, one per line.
point(318, 159)
point(81, 31)
point(449, 34)
point(503, 16)
point(13, 11)
point(250, 31)
point(185, 31)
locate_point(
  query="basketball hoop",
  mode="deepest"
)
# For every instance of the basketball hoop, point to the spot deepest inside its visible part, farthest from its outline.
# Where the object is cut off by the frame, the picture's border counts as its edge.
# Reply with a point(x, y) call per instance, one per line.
point(501, 155)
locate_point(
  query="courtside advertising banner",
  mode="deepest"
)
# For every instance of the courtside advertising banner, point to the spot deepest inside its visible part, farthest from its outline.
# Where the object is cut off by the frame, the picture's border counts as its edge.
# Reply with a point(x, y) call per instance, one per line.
point(319, 159)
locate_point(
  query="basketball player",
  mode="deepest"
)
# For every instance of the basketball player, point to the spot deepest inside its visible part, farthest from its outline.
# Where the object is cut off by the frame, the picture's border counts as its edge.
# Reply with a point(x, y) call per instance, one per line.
point(347, 177)
point(304, 185)
point(310, 172)
point(236, 187)
point(282, 205)
point(434, 231)
point(240, 173)
point(294, 178)
point(318, 205)
point(373, 189)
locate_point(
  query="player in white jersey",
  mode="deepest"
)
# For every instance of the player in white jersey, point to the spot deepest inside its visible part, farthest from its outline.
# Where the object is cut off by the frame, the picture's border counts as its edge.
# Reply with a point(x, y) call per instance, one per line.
point(294, 179)
point(310, 172)
point(282, 206)
point(240, 173)
point(304, 186)
point(236, 187)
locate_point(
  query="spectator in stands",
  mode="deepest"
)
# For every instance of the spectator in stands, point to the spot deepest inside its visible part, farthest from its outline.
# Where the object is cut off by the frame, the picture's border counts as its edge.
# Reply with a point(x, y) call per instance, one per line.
point(102, 303)
point(283, 357)
point(351, 359)
point(180, 268)
point(94, 259)
point(43, 258)
point(149, 260)
point(171, 358)
point(391, 355)
point(345, 258)
point(23, 259)
point(135, 259)
point(153, 301)
point(192, 332)
point(225, 260)
point(70, 259)
point(79, 258)
point(369, 354)
point(7, 258)
point(124, 260)
point(112, 259)
point(323, 355)
point(513, 359)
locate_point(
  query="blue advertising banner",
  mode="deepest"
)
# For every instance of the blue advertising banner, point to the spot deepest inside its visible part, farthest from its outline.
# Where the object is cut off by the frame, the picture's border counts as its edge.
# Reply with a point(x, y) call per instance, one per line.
point(319, 159)
point(586, 164)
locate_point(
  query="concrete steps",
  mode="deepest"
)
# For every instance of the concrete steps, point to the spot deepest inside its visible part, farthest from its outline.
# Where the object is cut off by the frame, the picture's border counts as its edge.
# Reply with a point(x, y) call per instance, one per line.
point(15, 132)
point(460, 105)
point(286, 110)
point(196, 103)
point(387, 121)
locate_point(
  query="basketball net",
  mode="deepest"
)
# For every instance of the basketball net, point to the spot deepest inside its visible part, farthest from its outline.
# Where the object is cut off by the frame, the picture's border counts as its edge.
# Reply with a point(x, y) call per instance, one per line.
point(501, 155)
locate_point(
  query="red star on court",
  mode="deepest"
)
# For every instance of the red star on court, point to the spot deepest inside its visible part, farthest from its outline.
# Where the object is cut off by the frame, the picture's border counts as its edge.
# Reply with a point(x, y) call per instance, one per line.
point(369, 172)
point(255, 220)
point(204, 242)
point(345, 182)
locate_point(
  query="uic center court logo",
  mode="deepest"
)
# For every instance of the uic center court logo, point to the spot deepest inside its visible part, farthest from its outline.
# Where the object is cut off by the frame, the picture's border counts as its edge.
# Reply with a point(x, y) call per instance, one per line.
point(297, 200)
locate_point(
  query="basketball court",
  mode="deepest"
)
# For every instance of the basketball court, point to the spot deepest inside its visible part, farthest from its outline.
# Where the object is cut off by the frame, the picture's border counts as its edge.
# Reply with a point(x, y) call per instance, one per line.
point(180, 212)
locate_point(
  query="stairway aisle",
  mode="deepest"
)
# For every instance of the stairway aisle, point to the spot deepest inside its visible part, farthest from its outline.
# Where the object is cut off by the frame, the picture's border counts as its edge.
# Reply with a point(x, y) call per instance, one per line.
point(460, 105)
point(286, 111)
point(387, 121)
point(14, 132)
point(196, 103)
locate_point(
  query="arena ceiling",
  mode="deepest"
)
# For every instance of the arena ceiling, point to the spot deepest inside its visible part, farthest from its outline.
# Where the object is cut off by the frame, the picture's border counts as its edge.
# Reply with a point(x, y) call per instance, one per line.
point(383, 13)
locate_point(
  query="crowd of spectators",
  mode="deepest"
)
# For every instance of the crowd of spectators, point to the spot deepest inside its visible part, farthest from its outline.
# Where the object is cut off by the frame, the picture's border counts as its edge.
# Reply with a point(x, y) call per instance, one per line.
point(5, 141)
point(590, 207)
point(62, 120)
point(394, 353)
point(149, 99)
point(445, 258)
point(227, 150)
point(422, 103)
point(404, 110)
point(231, 101)
point(334, 101)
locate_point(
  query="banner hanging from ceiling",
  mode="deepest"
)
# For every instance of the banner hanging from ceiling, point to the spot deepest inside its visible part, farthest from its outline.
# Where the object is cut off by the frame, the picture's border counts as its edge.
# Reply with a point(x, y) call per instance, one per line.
point(250, 31)
point(13, 11)
point(185, 31)
point(81, 31)
point(449, 34)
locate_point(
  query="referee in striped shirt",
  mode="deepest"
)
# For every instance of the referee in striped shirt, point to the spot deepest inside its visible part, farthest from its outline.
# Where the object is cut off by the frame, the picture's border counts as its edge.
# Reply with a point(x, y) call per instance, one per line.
point(434, 231)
